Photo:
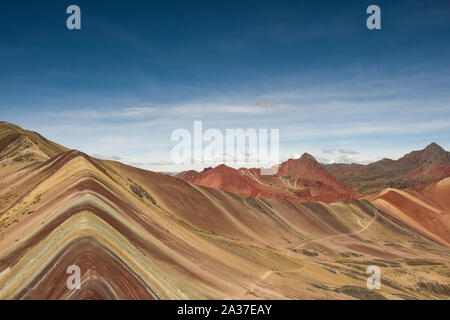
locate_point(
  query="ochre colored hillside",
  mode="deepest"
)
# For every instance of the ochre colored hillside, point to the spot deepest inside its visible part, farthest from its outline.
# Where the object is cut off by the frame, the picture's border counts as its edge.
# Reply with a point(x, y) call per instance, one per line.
point(425, 209)
point(137, 234)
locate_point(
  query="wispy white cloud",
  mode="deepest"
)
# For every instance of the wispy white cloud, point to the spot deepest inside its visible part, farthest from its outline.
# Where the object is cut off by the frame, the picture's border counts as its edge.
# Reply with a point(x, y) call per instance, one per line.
point(136, 112)
point(356, 129)
point(208, 108)
point(330, 121)
point(348, 151)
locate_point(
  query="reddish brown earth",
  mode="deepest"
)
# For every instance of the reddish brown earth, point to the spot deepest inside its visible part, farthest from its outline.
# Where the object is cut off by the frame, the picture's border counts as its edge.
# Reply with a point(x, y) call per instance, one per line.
point(301, 179)
point(137, 234)
point(416, 169)
point(232, 180)
point(425, 209)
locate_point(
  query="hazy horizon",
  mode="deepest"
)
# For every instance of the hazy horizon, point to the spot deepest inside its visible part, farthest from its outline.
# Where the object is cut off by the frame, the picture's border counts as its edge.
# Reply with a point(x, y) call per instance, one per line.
point(118, 87)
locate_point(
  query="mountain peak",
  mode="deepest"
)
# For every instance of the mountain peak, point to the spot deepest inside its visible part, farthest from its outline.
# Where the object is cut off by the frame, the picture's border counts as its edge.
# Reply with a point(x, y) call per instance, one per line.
point(224, 168)
point(434, 154)
point(307, 156)
point(21, 143)
point(6, 125)
point(435, 148)
point(309, 160)
point(222, 165)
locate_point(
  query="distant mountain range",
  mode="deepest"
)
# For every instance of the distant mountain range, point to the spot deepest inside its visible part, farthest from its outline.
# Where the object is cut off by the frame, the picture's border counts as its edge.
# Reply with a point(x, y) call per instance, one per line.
point(301, 179)
point(305, 179)
point(137, 234)
point(416, 169)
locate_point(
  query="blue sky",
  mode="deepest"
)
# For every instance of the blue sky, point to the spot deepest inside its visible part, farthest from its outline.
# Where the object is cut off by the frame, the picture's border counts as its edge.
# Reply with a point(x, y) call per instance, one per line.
point(138, 70)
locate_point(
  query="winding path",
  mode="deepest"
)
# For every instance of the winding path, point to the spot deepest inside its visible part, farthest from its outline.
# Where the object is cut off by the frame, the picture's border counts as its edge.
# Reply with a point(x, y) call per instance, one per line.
point(268, 273)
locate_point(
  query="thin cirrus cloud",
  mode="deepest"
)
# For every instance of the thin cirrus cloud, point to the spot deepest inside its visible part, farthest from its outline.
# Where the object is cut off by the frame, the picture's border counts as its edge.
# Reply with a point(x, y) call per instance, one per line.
point(341, 151)
point(124, 113)
point(209, 108)
point(348, 151)
point(189, 110)
point(355, 129)
point(350, 159)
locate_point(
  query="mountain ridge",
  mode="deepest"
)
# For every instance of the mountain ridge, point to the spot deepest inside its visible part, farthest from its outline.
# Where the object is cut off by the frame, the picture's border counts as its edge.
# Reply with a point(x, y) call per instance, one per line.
point(137, 234)
point(302, 179)
point(415, 169)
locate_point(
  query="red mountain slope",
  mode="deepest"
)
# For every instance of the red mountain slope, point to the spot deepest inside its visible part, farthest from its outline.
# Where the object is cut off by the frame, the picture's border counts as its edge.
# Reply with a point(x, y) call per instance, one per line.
point(426, 210)
point(137, 234)
point(417, 168)
point(298, 179)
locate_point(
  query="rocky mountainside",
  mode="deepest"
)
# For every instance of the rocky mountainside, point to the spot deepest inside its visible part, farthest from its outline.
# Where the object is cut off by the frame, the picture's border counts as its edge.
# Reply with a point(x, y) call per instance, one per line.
point(302, 179)
point(416, 169)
